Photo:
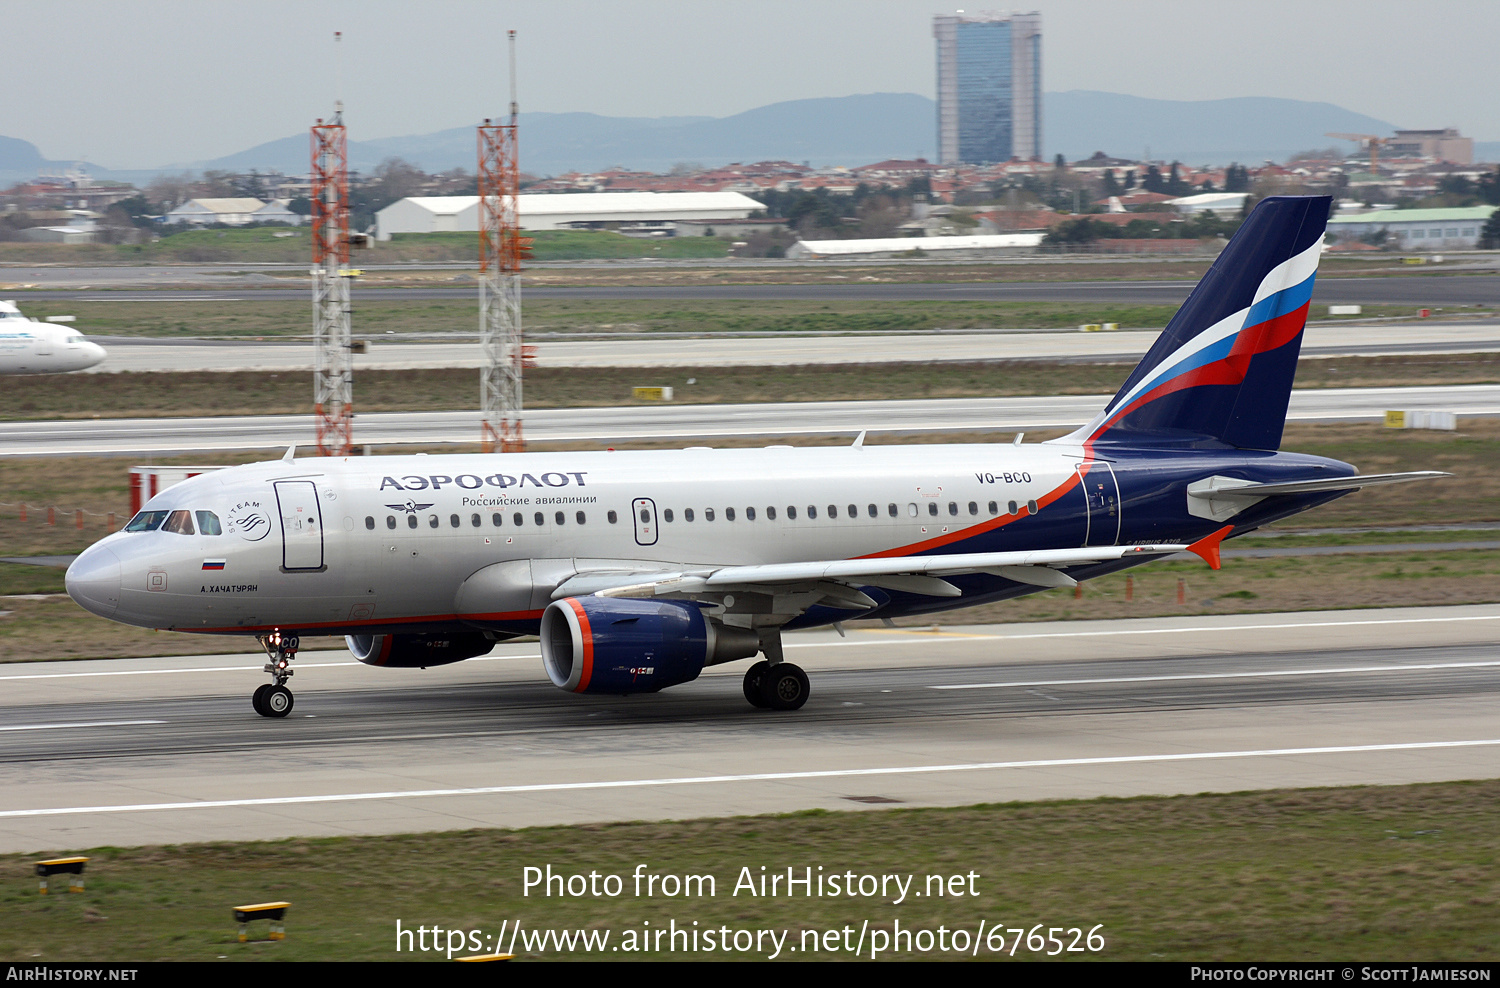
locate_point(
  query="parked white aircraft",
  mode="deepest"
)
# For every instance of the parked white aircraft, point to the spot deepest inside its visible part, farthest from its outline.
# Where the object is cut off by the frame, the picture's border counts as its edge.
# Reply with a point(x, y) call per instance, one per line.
point(638, 569)
point(31, 347)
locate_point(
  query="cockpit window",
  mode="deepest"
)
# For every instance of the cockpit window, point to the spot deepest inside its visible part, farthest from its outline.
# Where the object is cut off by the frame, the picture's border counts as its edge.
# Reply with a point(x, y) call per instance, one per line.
point(180, 522)
point(208, 523)
point(147, 521)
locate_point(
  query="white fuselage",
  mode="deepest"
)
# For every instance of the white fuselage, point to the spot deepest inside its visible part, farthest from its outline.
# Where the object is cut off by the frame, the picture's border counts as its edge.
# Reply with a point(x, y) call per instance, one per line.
point(31, 347)
point(388, 542)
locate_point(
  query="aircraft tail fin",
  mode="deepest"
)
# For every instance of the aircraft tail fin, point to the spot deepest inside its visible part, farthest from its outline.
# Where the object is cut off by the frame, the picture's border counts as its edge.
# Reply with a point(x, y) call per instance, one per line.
point(1221, 372)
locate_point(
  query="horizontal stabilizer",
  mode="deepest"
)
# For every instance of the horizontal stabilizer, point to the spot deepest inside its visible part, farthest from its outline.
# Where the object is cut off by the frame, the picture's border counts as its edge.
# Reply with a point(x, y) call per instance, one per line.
point(1229, 487)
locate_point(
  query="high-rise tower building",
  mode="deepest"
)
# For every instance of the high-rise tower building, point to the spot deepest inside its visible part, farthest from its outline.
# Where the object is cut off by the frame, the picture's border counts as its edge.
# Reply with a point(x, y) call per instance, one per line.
point(989, 83)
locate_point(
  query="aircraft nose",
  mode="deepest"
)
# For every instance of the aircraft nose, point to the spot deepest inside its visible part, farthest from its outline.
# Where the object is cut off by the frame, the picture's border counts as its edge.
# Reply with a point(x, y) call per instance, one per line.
point(95, 353)
point(94, 581)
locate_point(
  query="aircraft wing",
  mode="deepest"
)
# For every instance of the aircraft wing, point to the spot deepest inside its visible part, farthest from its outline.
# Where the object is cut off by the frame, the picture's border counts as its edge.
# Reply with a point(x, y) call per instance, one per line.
point(838, 579)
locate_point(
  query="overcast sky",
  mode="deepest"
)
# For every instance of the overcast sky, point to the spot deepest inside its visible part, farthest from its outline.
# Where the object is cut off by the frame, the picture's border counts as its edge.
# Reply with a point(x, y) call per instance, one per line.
point(138, 84)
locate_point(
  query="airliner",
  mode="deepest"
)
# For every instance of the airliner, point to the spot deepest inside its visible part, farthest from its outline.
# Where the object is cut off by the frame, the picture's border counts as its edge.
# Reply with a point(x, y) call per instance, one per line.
point(637, 570)
point(31, 347)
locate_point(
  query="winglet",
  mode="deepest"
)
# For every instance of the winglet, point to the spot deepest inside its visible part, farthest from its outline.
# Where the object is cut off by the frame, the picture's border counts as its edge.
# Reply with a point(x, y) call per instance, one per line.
point(290, 454)
point(1208, 546)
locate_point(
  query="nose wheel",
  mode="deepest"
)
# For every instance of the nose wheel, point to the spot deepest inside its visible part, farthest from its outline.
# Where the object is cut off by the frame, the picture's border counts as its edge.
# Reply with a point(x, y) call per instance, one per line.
point(273, 699)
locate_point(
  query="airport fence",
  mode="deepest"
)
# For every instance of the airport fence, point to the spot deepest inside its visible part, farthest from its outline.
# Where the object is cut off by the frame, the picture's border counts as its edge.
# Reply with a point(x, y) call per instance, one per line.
point(58, 516)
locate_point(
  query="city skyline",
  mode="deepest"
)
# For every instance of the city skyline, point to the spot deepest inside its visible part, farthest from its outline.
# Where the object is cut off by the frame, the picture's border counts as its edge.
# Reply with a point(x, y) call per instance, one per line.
point(149, 83)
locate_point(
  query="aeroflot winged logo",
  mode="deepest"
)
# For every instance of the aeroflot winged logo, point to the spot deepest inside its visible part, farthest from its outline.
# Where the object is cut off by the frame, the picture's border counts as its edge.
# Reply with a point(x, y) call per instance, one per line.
point(410, 507)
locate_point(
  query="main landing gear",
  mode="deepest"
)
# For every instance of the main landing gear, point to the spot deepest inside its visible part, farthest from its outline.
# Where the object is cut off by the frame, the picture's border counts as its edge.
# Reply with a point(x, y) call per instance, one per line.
point(775, 684)
point(273, 699)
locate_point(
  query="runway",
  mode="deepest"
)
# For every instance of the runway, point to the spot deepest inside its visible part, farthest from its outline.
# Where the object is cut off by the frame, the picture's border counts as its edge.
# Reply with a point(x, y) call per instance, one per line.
point(163, 436)
point(167, 750)
point(1421, 290)
point(647, 350)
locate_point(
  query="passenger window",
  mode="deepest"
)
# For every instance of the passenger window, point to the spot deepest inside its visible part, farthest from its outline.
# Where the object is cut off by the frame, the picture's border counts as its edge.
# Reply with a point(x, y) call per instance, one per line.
point(560, 518)
point(613, 518)
point(582, 518)
point(1031, 506)
point(890, 509)
point(453, 521)
point(994, 508)
point(541, 519)
point(208, 523)
point(687, 514)
point(770, 513)
point(390, 521)
point(497, 519)
point(179, 522)
point(833, 511)
point(475, 520)
point(370, 523)
point(1011, 508)
point(729, 514)
point(146, 521)
point(853, 511)
point(518, 518)
point(791, 512)
point(411, 521)
point(874, 512)
point(645, 515)
point(812, 511)
point(708, 514)
point(932, 508)
point(665, 515)
point(973, 507)
point(911, 510)
point(953, 507)
point(432, 521)
point(749, 514)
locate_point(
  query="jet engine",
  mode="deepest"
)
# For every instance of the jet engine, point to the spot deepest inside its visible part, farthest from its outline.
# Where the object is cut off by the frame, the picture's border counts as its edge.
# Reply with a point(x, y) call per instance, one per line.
point(623, 645)
point(417, 651)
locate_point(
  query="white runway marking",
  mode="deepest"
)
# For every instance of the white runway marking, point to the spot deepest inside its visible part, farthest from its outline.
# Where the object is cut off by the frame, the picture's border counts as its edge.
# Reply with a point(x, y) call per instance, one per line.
point(761, 777)
point(96, 723)
point(1220, 675)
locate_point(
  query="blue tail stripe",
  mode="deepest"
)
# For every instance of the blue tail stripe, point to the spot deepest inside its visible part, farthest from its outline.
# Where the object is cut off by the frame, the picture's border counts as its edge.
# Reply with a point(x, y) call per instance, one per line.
point(1279, 304)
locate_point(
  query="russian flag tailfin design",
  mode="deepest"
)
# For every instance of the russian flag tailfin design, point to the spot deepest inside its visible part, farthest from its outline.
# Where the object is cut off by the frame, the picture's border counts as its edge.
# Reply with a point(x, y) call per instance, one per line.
point(1221, 372)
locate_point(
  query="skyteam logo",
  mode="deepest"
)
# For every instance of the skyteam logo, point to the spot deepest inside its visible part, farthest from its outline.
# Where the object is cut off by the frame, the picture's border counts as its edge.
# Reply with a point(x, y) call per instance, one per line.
point(249, 521)
point(410, 507)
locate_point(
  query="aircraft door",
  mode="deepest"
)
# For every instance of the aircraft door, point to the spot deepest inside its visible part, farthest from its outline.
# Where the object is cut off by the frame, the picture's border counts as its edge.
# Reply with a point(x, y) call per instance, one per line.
point(643, 510)
point(1101, 494)
point(301, 525)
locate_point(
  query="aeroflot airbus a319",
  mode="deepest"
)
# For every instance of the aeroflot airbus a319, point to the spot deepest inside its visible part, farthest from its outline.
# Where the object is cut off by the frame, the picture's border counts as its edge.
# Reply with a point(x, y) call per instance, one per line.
point(638, 569)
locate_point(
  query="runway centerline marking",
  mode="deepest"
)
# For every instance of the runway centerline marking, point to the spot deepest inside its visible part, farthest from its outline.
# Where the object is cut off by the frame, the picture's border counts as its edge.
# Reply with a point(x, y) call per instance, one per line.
point(759, 777)
point(95, 723)
point(1219, 675)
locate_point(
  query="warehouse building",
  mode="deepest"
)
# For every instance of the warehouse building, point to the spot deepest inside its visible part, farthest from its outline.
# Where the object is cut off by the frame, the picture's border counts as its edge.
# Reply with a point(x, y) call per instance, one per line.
point(640, 214)
point(1416, 229)
point(953, 248)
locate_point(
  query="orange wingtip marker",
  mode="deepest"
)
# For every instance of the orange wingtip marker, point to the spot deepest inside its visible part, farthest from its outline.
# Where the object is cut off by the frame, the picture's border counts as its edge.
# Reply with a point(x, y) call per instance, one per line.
point(1208, 546)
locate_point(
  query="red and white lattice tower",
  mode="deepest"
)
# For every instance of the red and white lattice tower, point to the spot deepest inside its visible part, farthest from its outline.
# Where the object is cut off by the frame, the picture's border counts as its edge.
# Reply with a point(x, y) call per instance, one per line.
point(501, 251)
point(333, 361)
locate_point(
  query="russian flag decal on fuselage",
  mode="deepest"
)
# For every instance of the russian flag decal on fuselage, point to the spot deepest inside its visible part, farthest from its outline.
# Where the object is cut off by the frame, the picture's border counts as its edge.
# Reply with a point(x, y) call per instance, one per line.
point(213, 563)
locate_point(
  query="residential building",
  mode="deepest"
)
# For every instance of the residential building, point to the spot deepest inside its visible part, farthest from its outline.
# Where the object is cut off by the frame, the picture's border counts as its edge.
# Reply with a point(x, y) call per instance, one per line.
point(989, 84)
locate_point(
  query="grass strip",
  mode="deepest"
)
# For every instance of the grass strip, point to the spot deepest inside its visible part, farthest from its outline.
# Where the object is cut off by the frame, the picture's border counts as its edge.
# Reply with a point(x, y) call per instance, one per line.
point(194, 393)
point(1375, 873)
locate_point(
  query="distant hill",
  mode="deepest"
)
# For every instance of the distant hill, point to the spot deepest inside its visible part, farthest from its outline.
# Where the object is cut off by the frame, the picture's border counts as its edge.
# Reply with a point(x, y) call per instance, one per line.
point(1248, 130)
point(847, 130)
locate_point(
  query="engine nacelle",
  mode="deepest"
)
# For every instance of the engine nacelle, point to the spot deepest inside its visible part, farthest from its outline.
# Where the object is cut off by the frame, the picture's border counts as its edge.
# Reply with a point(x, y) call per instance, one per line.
point(417, 651)
point(623, 645)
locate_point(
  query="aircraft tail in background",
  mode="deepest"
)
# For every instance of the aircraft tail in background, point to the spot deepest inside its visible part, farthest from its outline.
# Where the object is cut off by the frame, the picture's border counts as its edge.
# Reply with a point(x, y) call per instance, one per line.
point(1221, 372)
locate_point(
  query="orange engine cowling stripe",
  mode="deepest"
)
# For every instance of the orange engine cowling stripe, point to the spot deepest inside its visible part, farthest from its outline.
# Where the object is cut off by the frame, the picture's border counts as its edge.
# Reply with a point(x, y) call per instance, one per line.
point(588, 645)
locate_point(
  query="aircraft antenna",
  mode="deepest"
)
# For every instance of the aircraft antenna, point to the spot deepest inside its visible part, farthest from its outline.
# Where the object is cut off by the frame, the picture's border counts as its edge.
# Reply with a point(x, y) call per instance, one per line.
point(333, 360)
point(501, 251)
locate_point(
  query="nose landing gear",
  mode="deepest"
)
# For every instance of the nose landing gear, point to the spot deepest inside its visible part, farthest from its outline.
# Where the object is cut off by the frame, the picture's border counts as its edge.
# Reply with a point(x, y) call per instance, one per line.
point(273, 699)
